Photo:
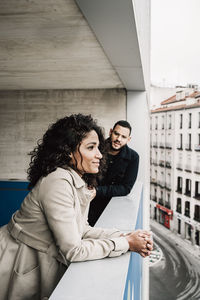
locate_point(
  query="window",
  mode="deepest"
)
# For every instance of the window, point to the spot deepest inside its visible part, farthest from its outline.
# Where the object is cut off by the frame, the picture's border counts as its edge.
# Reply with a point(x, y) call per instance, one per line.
point(181, 141)
point(178, 205)
point(197, 190)
point(180, 145)
point(190, 121)
point(168, 160)
point(168, 183)
point(179, 165)
point(188, 187)
point(167, 203)
point(163, 179)
point(155, 159)
point(190, 141)
point(162, 143)
point(179, 226)
point(197, 146)
point(187, 208)
point(197, 237)
point(197, 213)
point(155, 144)
point(188, 146)
point(188, 165)
point(168, 197)
point(197, 165)
point(161, 161)
point(181, 121)
point(170, 122)
point(155, 193)
point(161, 198)
point(179, 184)
point(156, 122)
point(199, 120)
point(163, 122)
point(169, 141)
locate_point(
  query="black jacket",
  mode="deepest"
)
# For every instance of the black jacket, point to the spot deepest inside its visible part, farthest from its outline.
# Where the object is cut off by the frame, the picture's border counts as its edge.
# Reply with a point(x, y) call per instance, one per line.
point(119, 179)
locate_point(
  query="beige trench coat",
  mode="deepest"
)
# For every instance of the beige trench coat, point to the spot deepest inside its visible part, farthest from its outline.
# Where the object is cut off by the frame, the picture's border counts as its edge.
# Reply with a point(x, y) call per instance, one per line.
point(48, 232)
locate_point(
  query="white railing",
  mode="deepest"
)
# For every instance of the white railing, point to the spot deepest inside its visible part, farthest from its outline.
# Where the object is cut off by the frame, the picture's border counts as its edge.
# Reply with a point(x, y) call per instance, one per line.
point(197, 147)
point(109, 278)
point(188, 167)
point(179, 165)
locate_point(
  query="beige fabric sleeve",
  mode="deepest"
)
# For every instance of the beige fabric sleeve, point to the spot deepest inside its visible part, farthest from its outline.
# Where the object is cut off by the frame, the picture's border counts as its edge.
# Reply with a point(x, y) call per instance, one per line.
point(57, 199)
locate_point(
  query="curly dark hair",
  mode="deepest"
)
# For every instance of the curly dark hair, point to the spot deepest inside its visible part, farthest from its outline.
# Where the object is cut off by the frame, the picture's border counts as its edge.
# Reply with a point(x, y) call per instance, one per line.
point(60, 140)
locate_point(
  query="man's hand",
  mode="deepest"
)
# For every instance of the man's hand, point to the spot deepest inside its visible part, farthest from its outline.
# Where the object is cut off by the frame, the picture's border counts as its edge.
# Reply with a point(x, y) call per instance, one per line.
point(140, 242)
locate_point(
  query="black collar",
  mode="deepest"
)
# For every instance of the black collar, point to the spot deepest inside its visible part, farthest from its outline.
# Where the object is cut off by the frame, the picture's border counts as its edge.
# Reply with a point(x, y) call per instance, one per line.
point(124, 153)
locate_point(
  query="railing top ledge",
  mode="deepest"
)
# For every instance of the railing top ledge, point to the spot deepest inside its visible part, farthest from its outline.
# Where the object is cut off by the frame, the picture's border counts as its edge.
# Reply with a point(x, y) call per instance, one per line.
point(104, 278)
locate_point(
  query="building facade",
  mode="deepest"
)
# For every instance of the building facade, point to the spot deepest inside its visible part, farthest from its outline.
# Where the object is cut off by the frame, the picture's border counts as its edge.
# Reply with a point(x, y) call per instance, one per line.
point(175, 164)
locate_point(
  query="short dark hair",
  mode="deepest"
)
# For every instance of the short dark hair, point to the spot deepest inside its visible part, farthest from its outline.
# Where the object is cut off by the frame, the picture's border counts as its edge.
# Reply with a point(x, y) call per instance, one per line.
point(123, 123)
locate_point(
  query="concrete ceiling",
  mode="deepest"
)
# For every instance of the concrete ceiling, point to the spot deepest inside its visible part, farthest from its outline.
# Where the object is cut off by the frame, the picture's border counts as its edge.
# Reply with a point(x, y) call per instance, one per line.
point(49, 45)
point(114, 24)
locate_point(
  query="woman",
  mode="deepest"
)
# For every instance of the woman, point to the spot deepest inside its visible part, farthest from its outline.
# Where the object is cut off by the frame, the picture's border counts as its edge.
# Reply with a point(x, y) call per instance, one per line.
point(50, 230)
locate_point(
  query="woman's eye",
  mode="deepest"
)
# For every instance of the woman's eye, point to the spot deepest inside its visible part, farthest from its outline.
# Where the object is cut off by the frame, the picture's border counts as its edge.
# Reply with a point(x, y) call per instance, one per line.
point(90, 147)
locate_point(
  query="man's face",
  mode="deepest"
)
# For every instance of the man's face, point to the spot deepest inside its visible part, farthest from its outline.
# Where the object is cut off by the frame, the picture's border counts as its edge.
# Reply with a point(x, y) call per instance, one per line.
point(119, 137)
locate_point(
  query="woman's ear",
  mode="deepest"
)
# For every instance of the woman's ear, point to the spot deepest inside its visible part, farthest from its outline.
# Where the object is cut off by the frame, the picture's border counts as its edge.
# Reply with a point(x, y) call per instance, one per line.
point(71, 155)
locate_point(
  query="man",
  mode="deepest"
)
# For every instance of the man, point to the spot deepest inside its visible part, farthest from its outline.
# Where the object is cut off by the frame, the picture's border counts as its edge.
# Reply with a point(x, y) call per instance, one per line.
point(121, 173)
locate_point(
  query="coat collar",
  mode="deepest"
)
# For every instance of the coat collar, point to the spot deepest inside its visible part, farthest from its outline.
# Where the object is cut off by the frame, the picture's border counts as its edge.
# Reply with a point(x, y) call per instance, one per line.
point(77, 180)
point(85, 195)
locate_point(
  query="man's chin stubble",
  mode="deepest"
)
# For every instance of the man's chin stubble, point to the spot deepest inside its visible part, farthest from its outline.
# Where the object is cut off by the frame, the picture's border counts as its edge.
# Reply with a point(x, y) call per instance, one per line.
point(114, 149)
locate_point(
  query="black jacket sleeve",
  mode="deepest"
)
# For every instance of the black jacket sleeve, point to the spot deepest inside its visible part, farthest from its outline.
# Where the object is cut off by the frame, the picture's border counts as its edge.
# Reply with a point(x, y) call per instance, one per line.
point(124, 184)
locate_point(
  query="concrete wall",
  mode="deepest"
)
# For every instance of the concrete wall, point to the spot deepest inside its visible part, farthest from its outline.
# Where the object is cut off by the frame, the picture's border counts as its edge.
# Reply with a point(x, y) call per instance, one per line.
point(25, 116)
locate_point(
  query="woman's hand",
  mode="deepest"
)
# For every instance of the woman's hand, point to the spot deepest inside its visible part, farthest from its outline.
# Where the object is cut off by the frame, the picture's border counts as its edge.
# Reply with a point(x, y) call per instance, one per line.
point(92, 192)
point(140, 242)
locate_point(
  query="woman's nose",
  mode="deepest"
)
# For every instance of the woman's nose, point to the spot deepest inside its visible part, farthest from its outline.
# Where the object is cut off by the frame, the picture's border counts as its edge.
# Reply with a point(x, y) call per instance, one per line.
point(98, 154)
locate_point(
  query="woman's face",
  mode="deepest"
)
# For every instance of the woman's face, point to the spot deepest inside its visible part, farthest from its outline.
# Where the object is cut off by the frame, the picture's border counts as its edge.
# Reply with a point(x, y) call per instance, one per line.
point(87, 157)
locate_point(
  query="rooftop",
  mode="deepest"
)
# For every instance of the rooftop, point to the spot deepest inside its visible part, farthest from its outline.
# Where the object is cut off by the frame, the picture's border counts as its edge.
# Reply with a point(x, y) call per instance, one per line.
point(181, 104)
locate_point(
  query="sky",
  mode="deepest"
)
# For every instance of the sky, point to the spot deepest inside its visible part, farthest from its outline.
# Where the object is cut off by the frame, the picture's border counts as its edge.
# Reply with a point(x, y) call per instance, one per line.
point(175, 42)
